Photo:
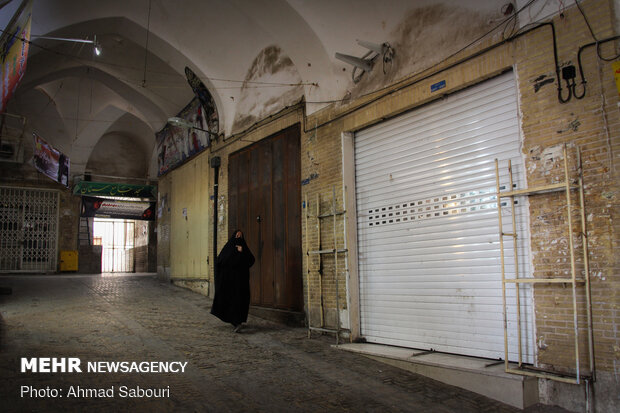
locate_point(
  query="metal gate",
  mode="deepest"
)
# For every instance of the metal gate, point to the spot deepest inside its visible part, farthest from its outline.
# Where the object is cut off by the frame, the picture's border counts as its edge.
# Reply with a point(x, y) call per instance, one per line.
point(117, 239)
point(430, 274)
point(28, 229)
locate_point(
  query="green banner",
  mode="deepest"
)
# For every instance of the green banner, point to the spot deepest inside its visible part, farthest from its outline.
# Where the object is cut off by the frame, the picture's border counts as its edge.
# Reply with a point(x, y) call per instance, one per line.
point(115, 189)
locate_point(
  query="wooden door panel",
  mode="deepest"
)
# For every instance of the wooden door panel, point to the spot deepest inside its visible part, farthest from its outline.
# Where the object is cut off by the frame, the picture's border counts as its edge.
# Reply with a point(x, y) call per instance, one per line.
point(279, 221)
point(252, 234)
point(242, 194)
point(268, 186)
point(294, 288)
point(233, 192)
point(264, 211)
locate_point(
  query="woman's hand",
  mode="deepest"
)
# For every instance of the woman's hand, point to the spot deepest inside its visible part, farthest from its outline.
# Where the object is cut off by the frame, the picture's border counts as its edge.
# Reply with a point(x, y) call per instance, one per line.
point(239, 248)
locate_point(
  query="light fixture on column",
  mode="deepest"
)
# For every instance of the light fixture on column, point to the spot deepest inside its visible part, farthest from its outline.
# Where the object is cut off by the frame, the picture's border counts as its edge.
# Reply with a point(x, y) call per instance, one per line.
point(366, 62)
point(182, 123)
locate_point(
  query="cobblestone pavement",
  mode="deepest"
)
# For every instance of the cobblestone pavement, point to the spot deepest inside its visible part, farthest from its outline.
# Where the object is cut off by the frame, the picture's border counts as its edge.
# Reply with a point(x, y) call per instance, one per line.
point(266, 368)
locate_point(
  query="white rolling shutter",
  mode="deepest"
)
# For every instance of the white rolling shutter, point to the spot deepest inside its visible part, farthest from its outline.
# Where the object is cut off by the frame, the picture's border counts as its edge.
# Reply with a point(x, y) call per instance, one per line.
point(429, 260)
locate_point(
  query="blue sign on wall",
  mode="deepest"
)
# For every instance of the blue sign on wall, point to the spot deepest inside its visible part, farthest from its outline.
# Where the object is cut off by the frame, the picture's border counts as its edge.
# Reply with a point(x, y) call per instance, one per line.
point(439, 85)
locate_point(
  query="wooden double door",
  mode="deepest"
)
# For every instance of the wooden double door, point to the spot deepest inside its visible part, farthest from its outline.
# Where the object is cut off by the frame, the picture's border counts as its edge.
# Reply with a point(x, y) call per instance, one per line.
point(265, 203)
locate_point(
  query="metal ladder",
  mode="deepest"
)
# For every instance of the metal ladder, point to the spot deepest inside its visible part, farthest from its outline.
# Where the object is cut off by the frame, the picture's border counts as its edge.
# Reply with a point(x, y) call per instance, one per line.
point(566, 187)
point(321, 252)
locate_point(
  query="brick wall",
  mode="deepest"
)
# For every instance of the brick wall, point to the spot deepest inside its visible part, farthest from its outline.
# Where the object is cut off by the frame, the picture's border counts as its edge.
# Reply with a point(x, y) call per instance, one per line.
point(590, 124)
point(69, 219)
point(141, 258)
point(322, 170)
point(89, 259)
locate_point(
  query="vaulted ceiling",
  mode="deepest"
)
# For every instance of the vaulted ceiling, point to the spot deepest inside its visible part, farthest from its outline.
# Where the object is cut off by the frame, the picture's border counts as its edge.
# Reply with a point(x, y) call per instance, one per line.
point(254, 56)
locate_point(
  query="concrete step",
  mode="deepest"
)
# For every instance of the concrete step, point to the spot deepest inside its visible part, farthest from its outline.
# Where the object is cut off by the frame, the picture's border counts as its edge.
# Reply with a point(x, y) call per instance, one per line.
point(478, 375)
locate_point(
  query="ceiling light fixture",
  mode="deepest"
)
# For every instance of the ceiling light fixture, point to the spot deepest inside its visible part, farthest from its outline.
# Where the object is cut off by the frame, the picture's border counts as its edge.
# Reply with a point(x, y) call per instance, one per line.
point(95, 43)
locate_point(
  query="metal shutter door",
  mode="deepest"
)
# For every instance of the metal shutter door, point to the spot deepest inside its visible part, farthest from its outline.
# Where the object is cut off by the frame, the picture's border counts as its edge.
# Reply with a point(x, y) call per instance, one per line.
point(429, 260)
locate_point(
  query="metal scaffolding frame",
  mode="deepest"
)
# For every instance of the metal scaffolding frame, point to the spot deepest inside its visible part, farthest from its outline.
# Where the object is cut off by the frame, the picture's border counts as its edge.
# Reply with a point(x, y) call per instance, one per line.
point(573, 280)
point(320, 252)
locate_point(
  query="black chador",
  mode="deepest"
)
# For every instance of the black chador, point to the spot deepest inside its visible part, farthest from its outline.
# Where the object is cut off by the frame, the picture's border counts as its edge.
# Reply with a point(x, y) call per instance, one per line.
point(232, 281)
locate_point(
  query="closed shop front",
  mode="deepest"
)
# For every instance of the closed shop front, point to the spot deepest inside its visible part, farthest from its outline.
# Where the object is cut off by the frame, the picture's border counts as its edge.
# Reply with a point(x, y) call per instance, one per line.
point(429, 260)
point(28, 229)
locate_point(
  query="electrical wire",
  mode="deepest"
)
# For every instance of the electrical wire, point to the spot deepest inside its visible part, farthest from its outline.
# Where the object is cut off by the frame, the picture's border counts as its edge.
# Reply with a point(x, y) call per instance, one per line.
point(441, 62)
point(597, 41)
point(571, 84)
point(586, 20)
point(407, 81)
point(86, 63)
point(581, 49)
point(264, 83)
point(415, 79)
point(606, 59)
point(125, 67)
point(247, 82)
point(52, 99)
point(146, 46)
point(512, 29)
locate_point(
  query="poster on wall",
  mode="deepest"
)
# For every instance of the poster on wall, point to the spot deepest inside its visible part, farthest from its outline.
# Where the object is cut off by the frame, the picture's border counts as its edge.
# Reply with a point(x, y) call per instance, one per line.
point(14, 51)
point(50, 162)
point(176, 144)
point(114, 208)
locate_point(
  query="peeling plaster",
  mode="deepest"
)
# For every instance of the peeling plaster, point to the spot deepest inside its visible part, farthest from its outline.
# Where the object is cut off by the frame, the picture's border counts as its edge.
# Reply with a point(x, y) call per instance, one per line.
point(258, 100)
point(550, 159)
point(425, 36)
point(221, 219)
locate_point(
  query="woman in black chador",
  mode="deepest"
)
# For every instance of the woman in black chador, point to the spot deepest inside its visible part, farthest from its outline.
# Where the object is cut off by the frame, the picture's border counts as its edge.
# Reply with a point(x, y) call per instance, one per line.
point(232, 281)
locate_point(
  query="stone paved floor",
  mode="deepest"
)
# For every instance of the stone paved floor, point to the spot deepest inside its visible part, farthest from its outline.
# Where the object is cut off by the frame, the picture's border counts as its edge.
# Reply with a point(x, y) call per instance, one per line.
point(266, 368)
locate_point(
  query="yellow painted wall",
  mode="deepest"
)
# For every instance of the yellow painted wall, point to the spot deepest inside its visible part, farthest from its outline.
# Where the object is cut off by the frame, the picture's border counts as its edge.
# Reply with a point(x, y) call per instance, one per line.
point(164, 192)
point(190, 220)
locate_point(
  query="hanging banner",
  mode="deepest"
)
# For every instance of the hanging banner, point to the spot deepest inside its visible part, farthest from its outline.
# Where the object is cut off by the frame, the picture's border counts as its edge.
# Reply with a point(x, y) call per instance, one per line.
point(14, 51)
point(176, 144)
point(50, 162)
point(210, 120)
point(115, 189)
point(114, 208)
